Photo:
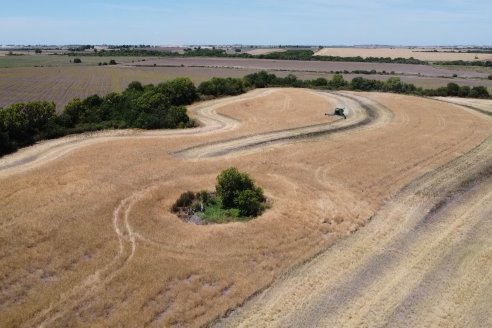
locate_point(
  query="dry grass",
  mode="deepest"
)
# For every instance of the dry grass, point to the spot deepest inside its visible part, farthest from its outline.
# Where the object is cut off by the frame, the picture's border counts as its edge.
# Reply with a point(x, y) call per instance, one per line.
point(403, 53)
point(89, 240)
point(256, 52)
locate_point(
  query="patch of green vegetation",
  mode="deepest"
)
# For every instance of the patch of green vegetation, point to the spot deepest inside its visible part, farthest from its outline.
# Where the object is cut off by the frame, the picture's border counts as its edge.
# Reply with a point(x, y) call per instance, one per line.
point(485, 63)
point(215, 213)
point(237, 199)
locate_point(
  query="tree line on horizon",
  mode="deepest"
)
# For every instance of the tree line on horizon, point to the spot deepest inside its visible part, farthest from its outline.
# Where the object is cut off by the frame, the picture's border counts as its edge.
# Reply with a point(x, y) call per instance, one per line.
point(162, 106)
point(290, 54)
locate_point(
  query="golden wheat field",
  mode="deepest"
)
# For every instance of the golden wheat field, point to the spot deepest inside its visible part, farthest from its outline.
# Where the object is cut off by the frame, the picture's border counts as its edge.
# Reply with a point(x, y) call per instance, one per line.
point(426, 54)
point(87, 237)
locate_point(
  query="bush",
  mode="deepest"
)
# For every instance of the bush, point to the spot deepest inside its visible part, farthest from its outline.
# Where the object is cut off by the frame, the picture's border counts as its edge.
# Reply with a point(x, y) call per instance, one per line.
point(453, 89)
point(112, 62)
point(184, 200)
point(479, 92)
point(77, 61)
point(490, 77)
point(237, 190)
point(230, 183)
point(221, 87)
point(248, 203)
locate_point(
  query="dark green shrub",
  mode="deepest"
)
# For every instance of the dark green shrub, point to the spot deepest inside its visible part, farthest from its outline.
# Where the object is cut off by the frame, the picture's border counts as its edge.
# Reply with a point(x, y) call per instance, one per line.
point(230, 183)
point(77, 60)
point(184, 200)
point(248, 203)
point(453, 89)
point(479, 92)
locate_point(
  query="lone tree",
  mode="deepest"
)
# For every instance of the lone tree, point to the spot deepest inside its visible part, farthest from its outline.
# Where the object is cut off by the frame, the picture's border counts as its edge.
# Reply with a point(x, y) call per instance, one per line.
point(237, 190)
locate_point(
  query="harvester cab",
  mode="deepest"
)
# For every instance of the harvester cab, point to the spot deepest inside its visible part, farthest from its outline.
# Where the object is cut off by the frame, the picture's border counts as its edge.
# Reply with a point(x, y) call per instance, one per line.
point(340, 111)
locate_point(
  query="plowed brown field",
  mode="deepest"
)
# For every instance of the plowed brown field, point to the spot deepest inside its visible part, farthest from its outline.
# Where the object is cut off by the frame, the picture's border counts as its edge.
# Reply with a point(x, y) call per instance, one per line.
point(87, 238)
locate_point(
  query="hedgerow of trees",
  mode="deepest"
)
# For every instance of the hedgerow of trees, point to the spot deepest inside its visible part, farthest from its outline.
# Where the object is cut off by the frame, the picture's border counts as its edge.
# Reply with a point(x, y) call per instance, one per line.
point(145, 107)
point(393, 84)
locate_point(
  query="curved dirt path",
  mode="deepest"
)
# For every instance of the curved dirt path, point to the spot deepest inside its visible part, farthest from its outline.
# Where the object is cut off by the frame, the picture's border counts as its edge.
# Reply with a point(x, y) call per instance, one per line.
point(49, 150)
point(363, 112)
point(423, 261)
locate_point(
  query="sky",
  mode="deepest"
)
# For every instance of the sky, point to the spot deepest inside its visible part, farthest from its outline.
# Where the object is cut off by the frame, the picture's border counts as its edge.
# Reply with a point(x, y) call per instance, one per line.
point(256, 22)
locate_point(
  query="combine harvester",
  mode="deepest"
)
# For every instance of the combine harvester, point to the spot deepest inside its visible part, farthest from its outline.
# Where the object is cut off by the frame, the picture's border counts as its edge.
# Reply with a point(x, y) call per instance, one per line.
point(339, 111)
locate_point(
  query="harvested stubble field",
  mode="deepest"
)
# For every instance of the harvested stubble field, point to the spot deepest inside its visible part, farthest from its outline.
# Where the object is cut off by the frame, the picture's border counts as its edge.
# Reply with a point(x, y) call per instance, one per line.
point(87, 237)
point(425, 54)
point(62, 84)
point(308, 66)
point(31, 60)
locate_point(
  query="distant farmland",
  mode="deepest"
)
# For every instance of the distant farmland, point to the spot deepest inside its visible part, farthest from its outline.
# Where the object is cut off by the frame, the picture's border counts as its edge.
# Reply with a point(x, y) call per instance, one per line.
point(56, 79)
point(422, 54)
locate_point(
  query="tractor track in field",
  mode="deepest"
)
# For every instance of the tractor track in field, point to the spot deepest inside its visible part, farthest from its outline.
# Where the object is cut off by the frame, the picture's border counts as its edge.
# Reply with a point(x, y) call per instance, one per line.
point(364, 113)
point(49, 150)
point(70, 300)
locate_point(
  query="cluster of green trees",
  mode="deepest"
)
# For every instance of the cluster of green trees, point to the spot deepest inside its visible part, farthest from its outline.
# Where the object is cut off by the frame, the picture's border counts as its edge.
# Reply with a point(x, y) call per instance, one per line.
point(217, 87)
point(24, 123)
point(145, 107)
point(237, 197)
point(238, 190)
